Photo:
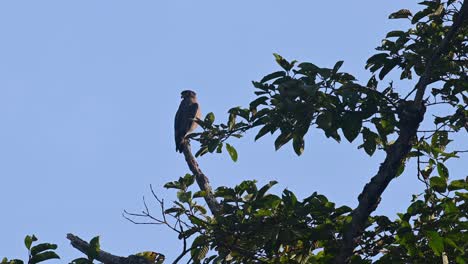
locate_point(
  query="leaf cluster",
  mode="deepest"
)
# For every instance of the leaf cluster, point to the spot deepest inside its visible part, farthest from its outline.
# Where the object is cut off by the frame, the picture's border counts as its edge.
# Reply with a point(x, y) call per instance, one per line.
point(36, 253)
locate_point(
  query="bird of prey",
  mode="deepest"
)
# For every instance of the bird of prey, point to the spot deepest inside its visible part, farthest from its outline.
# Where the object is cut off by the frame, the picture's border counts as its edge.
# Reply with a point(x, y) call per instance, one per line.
point(184, 122)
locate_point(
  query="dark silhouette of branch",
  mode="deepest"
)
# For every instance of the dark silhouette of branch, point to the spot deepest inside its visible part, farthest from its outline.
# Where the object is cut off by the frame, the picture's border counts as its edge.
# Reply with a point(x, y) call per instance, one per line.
point(104, 256)
point(411, 114)
point(202, 180)
point(370, 196)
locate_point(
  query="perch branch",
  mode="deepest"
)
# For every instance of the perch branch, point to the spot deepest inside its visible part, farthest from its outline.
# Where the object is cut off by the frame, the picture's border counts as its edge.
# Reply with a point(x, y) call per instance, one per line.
point(202, 180)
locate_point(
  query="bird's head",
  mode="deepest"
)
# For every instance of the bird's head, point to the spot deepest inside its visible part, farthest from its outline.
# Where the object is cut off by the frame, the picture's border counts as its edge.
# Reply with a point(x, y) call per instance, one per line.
point(188, 94)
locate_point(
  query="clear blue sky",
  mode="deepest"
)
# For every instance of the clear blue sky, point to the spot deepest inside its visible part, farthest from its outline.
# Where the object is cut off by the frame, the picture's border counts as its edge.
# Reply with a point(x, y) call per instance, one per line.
point(89, 89)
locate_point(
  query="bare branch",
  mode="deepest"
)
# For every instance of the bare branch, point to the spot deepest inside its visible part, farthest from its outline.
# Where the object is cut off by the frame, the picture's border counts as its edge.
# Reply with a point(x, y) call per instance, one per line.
point(152, 219)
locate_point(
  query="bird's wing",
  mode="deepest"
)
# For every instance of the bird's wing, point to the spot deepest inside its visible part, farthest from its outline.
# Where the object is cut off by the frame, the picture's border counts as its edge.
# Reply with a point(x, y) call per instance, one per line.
point(192, 113)
point(183, 122)
point(178, 125)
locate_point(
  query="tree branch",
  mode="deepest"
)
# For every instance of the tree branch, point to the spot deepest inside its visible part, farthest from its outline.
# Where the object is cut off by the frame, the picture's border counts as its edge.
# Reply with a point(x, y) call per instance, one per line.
point(426, 76)
point(411, 114)
point(202, 180)
point(104, 256)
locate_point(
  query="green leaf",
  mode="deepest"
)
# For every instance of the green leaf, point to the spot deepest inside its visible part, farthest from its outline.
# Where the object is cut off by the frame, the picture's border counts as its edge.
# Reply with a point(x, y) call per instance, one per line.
point(219, 148)
point(395, 33)
point(289, 198)
point(200, 208)
point(377, 59)
point(209, 118)
point(325, 120)
point(232, 152)
point(43, 257)
point(439, 184)
point(172, 185)
point(268, 202)
point(388, 66)
point(310, 67)
point(416, 208)
point(458, 185)
point(199, 194)
point(265, 188)
point(258, 101)
point(12, 261)
point(212, 145)
point(337, 67)
point(282, 62)
point(440, 140)
point(436, 242)
point(94, 248)
point(187, 180)
point(463, 195)
point(184, 197)
point(370, 141)
point(272, 76)
point(28, 241)
point(199, 241)
point(265, 129)
point(202, 253)
point(298, 144)
point(325, 72)
point(401, 169)
point(282, 139)
point(372, 83)
point(202, 151)
point(351, 125)
point(420, 15)
point(81, 261)
point(244, 113)
point(442, 170)
point(42, 247)
point(460, 260)
point(231, 121)
point(197, 221)
point(224, 192)
point(15, 261)
point(343, 210)
point(438, 11)
point(402, 13)
point(450, 208)
point(174, 210)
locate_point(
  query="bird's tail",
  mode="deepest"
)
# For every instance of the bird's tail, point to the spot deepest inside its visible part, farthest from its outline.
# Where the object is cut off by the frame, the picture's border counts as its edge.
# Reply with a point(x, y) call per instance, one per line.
point(180, 144)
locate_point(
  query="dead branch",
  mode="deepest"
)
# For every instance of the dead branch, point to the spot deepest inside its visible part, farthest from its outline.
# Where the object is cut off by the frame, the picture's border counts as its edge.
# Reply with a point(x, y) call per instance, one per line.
point(103, 256)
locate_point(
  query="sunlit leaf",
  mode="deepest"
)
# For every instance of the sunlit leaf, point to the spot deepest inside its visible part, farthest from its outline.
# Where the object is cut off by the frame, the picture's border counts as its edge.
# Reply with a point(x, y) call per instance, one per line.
point(232, 152)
